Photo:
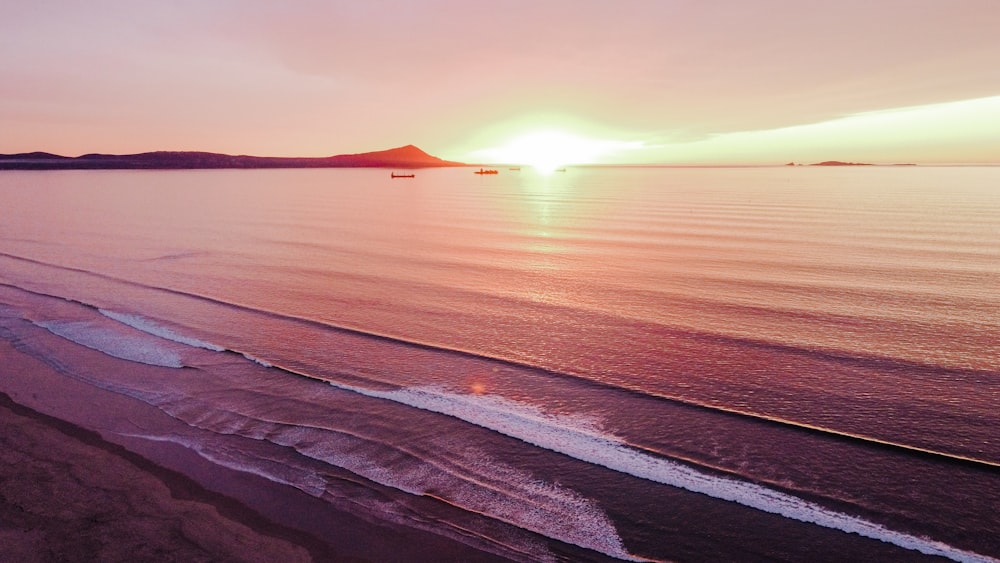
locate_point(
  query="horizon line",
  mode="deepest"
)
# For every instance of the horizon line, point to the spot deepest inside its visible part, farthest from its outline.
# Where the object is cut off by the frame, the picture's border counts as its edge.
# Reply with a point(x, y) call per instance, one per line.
point(46, 157)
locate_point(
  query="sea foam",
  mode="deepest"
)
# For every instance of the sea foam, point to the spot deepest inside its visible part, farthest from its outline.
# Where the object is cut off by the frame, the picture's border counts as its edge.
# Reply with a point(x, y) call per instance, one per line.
point(257, 361)
point(316, 485)
point(475, 482)
point(584, 441)
point(114, 343)
point(149, 327)
point(577, 437)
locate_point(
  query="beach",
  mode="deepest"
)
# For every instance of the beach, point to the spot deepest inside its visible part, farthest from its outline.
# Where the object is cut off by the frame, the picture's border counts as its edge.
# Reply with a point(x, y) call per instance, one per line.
point(67, 495)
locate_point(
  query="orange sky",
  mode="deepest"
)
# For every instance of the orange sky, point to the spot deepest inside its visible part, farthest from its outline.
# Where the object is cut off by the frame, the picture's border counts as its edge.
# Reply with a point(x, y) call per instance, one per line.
point(670, 81)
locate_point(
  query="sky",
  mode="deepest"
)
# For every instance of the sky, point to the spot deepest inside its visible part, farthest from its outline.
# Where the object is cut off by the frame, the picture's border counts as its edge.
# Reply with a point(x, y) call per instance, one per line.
point(628, 81)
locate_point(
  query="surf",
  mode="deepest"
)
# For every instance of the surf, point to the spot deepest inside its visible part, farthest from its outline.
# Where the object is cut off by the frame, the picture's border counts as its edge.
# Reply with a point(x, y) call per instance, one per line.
point(585, 442)
point(473, 481)
point(113, 343)
point(619, 384)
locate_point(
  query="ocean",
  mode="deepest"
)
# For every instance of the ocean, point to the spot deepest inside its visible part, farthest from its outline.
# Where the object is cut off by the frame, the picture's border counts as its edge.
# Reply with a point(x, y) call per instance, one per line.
point(637, 363)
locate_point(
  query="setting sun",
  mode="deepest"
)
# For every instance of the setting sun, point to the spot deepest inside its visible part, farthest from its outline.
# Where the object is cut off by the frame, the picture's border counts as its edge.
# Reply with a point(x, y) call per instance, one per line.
point(548, 150)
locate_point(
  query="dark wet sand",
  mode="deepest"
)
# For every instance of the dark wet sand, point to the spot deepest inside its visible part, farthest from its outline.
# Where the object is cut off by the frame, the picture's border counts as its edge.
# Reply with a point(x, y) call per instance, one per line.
point(69, 494)
point(66, 494)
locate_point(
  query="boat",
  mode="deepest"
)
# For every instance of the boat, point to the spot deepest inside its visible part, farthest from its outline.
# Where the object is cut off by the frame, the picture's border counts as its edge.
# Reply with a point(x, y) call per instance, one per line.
point(486, 171)
point(394, 175)
point(515, 168)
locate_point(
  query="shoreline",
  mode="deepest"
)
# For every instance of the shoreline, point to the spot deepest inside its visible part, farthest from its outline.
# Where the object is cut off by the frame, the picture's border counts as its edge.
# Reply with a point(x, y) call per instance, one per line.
point(101, 493)
point(154, 495)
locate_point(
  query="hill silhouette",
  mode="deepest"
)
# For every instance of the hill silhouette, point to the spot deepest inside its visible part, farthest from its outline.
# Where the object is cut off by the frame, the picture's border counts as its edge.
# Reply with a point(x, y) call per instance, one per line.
point(407, 156)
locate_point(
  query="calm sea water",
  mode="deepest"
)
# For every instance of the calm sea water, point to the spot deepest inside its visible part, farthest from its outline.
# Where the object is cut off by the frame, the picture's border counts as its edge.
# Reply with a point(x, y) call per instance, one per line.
point(645, 363)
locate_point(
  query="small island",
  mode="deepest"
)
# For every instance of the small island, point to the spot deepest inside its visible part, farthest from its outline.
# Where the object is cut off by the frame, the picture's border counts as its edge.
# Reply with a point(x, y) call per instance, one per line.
point(840, 163)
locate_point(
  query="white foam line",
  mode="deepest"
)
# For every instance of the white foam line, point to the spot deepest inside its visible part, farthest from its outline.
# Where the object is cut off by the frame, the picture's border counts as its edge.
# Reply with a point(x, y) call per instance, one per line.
point(547, 509)
point(149, 327)
point(113, 343)
point(307, 482)
point(577, 439)
point(317, 486)
point(257, 360)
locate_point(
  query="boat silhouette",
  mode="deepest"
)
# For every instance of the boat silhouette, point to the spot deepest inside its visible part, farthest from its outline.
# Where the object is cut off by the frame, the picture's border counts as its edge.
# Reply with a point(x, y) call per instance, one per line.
point(485, 171)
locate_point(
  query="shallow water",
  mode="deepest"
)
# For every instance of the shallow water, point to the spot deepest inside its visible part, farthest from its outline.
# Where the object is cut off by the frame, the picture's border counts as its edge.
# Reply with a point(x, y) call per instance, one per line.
point(651, 363)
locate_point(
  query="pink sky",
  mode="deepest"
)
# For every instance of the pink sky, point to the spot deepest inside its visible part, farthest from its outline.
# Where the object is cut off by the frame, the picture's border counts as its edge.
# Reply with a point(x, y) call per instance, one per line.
point(676, 81)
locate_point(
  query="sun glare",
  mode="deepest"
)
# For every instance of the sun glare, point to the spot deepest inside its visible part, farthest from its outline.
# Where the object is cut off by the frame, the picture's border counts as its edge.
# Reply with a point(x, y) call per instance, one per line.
point(550, 150)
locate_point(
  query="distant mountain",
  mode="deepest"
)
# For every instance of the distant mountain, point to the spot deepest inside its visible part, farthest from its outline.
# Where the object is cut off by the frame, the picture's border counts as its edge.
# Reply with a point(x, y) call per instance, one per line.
point(401, 157)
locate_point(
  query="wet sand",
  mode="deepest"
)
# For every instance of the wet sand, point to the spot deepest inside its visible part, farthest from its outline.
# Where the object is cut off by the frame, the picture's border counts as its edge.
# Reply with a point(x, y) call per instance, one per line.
point(68, 495)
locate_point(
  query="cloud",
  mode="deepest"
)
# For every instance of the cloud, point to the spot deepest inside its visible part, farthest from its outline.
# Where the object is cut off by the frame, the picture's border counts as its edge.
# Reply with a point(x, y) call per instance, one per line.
point(958, 132)
point(325, 77)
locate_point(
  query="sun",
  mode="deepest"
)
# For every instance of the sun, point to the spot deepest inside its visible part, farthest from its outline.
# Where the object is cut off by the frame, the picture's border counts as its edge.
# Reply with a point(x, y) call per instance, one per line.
point(548, 150)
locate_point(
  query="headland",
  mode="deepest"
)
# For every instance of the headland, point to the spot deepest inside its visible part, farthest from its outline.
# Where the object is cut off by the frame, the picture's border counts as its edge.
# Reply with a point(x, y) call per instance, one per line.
point(408, 157)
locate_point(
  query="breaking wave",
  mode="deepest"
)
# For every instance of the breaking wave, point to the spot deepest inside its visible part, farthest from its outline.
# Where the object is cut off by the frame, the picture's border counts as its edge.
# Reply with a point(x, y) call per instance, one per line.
point(584, 441)
point(114, 343)
point(575, 436)
point(145, 325)
point(478, 482)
